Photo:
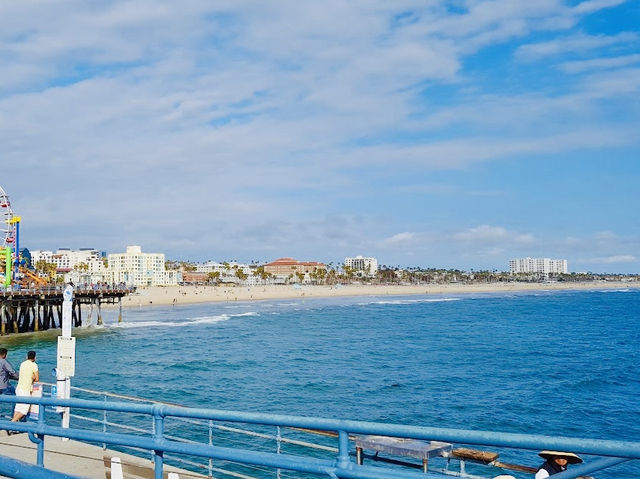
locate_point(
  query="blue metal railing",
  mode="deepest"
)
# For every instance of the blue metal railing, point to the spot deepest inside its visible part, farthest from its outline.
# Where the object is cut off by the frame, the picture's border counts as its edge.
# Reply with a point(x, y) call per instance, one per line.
point(610, 452)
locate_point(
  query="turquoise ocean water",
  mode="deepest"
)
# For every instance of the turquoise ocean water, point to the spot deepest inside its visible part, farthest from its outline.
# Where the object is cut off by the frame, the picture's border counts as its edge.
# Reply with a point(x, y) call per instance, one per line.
point(556, 363)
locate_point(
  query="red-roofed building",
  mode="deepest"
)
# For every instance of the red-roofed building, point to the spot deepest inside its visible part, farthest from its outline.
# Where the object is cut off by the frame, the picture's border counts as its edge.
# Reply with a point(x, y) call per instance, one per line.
point(194, 277)
point(287, 266)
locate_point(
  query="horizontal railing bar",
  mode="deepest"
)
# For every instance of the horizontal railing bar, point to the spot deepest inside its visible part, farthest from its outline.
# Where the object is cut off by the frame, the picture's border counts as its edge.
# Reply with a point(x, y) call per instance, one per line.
point(600, 447)
point(241, 456)
point(120, 426)
point(188, 441)
point(214, 469)
point(115, 395)
point(269, 436)
point(199, 465)
point(293, 442)
point(597, 465)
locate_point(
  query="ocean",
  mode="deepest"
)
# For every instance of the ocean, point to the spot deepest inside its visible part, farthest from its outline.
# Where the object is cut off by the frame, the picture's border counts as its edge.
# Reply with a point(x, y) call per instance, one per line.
point(554, 363)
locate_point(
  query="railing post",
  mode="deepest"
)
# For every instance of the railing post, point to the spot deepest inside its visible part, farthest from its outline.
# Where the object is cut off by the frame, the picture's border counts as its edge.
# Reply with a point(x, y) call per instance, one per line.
point(158, 433)
point(343, 449)
point(104, 423)
point(211, 444)
point(278, 448)
point(41, 423)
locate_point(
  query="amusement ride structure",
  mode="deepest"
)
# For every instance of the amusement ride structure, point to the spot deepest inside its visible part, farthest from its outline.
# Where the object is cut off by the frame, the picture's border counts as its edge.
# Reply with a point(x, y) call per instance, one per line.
point(9, 239)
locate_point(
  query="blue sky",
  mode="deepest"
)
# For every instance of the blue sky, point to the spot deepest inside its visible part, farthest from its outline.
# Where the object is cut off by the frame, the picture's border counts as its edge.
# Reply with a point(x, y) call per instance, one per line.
point(454, 134)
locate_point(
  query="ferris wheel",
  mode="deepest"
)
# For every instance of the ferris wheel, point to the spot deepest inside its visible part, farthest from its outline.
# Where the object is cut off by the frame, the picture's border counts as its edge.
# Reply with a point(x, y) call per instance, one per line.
point(7, 227)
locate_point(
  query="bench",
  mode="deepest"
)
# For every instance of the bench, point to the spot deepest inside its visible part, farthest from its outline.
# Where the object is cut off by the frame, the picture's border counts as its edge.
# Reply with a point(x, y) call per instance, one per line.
point(402, 447)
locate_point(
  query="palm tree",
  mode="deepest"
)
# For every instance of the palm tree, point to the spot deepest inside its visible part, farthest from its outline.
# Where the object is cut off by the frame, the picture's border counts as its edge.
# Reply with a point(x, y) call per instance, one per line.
point(81, 267)
point(47, 269)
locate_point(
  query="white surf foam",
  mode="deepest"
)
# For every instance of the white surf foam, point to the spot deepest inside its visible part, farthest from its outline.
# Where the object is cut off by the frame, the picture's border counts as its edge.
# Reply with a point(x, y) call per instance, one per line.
point(182, 323)
point(414, 301)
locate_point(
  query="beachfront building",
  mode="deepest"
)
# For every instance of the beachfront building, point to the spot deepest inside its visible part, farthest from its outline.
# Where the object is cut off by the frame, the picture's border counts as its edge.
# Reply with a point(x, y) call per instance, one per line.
point(538, 265)
point(229, 272)
point(85, 265)
point(135, 268)
point(362, 266)
point(289, 268)
point(68, 259)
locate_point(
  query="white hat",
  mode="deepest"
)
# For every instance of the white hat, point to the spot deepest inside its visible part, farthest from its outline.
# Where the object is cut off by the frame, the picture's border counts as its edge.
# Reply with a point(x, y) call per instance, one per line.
point(569, 456)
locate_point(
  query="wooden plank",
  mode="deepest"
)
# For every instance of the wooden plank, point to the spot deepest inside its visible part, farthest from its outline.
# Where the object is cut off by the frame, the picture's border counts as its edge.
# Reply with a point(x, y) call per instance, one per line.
point(485, 457)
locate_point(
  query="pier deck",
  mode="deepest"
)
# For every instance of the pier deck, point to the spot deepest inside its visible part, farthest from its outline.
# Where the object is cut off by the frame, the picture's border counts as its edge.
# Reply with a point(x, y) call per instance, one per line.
point(76, 458)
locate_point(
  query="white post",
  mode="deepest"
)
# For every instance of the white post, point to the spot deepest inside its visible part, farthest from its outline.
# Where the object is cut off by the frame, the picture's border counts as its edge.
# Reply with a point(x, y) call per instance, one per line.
point(116, 468)
point(65, 368)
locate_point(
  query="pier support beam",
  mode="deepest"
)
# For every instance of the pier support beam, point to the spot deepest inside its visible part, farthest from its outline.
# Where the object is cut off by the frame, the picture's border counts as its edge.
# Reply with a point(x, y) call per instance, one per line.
point(90, 317)
point(14, 318)
point(120, 310)
point(99, 313)
point(77, 315)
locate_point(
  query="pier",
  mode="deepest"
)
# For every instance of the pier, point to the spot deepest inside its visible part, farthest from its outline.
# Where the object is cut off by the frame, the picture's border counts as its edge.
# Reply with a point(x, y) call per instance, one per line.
point(40, 309)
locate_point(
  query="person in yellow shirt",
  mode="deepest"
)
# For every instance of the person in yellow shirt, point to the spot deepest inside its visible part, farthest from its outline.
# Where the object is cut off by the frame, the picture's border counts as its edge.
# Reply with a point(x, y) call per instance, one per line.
point(27, 376)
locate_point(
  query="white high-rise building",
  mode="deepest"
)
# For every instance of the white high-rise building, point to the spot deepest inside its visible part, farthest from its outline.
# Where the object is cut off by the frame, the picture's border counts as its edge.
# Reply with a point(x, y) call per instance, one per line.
point(367, 266)
point(140, 269)
point(538, 265)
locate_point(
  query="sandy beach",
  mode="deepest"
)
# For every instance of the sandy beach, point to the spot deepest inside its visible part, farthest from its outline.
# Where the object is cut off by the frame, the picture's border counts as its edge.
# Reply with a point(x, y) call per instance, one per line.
point(159, 295)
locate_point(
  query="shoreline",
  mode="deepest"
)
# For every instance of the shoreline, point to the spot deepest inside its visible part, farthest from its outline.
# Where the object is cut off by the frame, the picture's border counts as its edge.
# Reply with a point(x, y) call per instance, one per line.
point(183, 295)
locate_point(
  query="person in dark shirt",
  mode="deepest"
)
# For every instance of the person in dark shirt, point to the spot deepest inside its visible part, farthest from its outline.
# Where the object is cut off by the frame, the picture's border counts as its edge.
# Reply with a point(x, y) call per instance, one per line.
point(555, 462)
point(6, 372)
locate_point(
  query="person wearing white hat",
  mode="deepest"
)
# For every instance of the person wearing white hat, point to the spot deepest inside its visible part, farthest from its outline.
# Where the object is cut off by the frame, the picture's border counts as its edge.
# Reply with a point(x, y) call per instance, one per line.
point(555, 462)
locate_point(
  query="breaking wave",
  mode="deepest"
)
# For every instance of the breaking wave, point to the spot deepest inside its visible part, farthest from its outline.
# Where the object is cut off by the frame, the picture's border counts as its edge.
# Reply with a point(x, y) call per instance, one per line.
point(414, 301)
point(198, 320)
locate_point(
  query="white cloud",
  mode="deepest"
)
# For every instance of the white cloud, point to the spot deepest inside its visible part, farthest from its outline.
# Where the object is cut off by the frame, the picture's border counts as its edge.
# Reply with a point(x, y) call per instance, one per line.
point(599, 64)
point(400, 240)
point(614, 259)
point(486, 234)
point(580, 43)
point(605, 236)
point(591, 6)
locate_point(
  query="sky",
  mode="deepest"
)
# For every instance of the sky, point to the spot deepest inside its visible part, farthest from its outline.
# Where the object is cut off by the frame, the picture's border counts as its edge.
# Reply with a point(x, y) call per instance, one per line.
point(440, 134)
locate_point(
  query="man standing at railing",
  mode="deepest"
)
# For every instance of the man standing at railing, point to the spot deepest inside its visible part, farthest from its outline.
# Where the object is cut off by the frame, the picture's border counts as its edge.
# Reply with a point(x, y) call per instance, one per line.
point(555, 463)
point(28, 375)
point(6, 372)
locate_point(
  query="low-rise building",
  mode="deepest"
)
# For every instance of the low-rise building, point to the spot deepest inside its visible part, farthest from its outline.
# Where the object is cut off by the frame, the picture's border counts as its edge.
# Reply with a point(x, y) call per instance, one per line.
point(229, 272)
point(83, 266)
point(67, 259)
point(194, 277)
point(286, 267)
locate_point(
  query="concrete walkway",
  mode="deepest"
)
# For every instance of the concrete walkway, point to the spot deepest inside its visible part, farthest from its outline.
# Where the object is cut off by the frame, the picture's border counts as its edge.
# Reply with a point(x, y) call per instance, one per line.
point(76, 458)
